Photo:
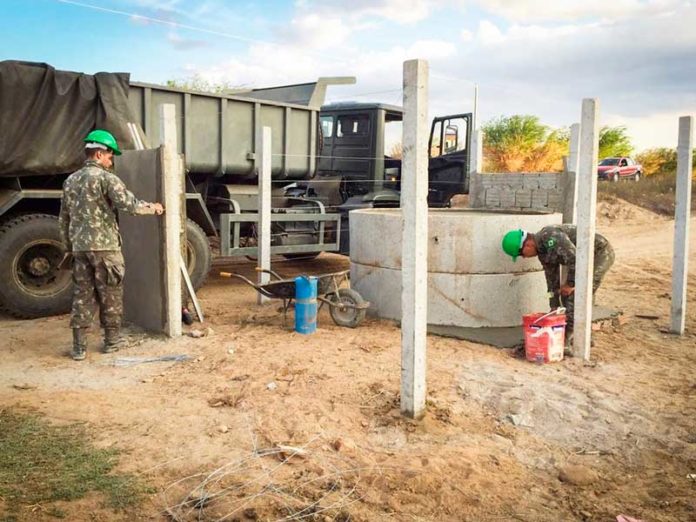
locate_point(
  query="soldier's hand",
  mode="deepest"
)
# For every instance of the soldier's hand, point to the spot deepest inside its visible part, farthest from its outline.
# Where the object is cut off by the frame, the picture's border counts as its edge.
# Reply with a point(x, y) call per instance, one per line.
point(158, 208)
point(567, 290)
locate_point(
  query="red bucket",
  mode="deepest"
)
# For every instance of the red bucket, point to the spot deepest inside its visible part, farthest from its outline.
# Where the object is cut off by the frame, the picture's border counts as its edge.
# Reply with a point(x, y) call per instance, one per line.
point(544, 336)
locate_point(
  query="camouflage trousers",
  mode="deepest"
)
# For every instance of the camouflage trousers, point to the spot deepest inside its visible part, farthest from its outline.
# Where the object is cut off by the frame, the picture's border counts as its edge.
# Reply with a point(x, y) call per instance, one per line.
point(603, 259)
point(98, 280)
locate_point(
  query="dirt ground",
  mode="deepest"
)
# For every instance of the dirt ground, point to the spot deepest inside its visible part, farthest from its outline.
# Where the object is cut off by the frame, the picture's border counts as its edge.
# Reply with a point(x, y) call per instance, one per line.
point(263, 423)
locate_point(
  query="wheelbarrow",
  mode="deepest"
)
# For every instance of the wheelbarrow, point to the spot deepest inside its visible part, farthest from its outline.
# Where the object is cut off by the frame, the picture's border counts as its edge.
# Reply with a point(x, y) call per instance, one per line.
point(346, 306)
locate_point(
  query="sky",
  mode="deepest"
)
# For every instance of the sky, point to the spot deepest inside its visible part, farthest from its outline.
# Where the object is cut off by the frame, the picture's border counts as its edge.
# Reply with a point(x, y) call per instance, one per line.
point(540, 57)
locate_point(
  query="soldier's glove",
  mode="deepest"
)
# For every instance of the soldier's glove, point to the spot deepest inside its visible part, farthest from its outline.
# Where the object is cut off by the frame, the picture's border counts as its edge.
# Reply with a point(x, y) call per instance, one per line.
point(554, 300)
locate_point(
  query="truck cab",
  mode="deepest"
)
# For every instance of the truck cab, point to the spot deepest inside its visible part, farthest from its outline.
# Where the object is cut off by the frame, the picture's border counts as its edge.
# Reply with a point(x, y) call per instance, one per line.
point(359, 159)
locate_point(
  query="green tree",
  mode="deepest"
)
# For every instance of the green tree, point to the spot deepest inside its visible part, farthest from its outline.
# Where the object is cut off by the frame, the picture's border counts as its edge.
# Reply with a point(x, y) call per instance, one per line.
point(614, 141)
point(521, 143)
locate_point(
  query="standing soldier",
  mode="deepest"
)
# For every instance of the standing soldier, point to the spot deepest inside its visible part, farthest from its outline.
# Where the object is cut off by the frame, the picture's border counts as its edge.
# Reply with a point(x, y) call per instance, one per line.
point(89, 229)
point(555, 246)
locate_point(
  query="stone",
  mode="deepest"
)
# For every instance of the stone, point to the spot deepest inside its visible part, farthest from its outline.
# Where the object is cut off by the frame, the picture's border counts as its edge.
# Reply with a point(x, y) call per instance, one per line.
point(577, 475)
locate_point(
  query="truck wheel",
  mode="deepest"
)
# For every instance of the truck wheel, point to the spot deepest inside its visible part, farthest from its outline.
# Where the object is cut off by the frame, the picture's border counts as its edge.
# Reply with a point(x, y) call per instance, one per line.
point(198, 254)
point(636, 177)
point(615, 179)
point(30, 283)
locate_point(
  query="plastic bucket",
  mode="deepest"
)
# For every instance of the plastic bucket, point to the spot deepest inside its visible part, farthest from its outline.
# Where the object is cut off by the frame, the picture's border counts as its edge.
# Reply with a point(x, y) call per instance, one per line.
point(305, 304)
point(544, 336)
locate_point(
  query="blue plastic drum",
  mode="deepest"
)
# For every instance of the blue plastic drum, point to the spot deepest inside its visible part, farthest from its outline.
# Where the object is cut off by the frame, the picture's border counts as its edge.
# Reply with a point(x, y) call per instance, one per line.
point(306, 304)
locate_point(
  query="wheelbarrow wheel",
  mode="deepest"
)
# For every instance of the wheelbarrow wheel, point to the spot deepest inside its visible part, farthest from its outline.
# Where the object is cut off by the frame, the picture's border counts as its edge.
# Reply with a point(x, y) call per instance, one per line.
point(347, 316)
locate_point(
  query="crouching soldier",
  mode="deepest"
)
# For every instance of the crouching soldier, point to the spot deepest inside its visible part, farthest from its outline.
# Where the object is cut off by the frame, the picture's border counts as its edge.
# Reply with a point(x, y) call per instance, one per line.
point(555, 246)
point(89, 229)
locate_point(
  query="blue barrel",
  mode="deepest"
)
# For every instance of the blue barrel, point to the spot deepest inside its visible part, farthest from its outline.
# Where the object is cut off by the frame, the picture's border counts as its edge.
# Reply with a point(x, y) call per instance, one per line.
point(306, 304)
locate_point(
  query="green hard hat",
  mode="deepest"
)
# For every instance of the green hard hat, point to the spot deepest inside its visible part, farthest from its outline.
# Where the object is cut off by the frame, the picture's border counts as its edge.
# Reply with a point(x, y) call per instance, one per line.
point(512, 242)
point(104, 138)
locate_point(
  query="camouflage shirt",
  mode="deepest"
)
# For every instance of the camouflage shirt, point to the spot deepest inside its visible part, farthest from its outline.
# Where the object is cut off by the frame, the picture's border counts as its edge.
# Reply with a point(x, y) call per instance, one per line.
point(88, 213)
point(555, 247)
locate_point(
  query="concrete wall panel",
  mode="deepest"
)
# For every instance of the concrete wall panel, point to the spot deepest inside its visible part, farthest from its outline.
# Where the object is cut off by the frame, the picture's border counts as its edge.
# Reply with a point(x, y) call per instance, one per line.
point(460, 241)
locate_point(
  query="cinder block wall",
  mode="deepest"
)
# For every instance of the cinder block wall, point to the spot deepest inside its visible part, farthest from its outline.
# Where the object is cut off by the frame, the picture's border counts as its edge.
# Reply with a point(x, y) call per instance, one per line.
point(551, 191)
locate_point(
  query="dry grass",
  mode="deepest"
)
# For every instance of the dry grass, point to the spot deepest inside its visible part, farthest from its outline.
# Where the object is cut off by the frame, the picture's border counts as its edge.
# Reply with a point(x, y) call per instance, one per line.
point(655, 193)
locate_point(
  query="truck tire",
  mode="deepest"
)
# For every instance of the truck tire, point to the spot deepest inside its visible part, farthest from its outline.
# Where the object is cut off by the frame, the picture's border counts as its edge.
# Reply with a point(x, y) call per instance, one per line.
point(30, 283)
point(636, 176)
point(198, 254)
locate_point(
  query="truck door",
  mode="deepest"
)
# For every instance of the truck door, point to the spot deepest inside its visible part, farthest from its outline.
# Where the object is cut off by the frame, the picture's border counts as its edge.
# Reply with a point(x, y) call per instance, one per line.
point(449, 156)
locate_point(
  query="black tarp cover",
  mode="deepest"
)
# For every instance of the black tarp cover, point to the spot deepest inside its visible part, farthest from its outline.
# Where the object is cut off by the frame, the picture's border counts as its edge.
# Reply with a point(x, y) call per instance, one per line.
point(45, 114)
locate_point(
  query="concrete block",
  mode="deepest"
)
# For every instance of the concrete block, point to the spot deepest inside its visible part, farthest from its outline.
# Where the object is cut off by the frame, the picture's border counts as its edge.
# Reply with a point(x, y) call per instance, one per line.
point(467, 300)
point(555, 201)
point(549, 183)
point(523, 198)
point(540, 198)
point(531, 182)
point(492, 198)
point(507, 198)
point(459, 240)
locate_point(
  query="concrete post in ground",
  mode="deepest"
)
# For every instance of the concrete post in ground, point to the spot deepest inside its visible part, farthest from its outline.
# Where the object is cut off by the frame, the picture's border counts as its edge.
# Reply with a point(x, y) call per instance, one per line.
point(264, 223)
point(682, 214)
point(573, 160)
point(586, 182)
point(173, 188)
point(476, 162)
point(414, 208)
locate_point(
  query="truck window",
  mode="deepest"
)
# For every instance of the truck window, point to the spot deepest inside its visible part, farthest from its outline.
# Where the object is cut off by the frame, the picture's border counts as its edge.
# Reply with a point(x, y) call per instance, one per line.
point(393, 131)
point(623, 163)
point(449, 136)
point(353, 125)
point(327, 124)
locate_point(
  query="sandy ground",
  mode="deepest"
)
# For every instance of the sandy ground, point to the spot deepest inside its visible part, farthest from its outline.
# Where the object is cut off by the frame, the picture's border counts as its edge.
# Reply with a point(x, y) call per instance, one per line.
point(503, 439)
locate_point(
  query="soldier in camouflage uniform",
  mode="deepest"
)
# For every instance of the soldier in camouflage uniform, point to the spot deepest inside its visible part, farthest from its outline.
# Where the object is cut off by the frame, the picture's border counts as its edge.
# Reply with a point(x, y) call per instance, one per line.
point(555, 246)
point(89, 228)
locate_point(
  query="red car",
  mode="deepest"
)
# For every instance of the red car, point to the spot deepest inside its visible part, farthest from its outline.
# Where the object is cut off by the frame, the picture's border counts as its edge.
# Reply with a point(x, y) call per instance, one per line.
point(614, 169)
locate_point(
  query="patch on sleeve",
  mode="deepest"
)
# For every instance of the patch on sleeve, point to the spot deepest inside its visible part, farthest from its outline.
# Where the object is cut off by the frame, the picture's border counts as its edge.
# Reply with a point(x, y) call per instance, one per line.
point(551, 243)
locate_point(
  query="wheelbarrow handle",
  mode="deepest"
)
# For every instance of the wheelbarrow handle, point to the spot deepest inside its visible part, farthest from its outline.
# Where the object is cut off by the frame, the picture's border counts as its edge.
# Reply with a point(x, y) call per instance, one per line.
point(273, 273)
point(557, 311)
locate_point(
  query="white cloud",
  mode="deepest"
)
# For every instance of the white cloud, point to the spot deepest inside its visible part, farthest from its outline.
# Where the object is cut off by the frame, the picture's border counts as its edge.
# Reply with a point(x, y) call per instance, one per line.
point(651, 130)
point(489, 34)
point(466, 36)
point(543, 10)
point(400, 11)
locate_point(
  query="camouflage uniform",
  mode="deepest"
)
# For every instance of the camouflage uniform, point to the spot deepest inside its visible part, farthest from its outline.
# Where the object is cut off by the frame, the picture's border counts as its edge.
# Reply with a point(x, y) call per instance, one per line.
point(89, 229)
point(555, 247)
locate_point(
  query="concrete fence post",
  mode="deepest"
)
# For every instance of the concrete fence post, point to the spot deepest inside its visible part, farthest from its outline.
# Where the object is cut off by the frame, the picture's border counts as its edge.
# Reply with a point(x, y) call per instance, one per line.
point(476, 162)
point(586, 182)
point(264, 223)
point(573, 163)
point(414, 209)
point(173, 188)
point(682, 214)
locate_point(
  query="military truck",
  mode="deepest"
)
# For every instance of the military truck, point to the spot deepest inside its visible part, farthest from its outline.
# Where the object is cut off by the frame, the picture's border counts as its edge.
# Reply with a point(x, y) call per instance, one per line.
point(326, 161)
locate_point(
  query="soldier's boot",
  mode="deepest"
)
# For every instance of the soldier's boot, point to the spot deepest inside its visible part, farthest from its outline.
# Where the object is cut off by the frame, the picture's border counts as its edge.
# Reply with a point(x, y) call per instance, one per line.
point(79, 348)
point(113, 341)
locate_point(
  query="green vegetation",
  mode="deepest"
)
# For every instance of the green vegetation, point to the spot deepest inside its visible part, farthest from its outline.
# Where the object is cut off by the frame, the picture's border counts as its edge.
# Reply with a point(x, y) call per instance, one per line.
point(613, 142)
point(42, 463)
point(521, 143)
